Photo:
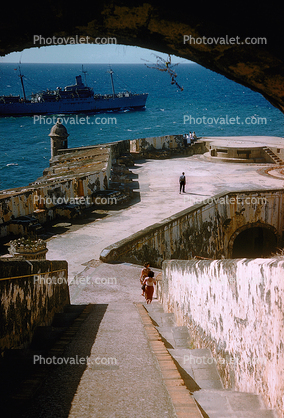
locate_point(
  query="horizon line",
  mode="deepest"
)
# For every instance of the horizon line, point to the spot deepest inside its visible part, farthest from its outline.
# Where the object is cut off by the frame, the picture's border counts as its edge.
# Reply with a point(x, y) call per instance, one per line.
point(88, 63)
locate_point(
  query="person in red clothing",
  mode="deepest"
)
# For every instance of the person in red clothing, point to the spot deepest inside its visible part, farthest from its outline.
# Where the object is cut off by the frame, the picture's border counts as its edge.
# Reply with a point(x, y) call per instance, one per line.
point(144, 274)
point(149, 286)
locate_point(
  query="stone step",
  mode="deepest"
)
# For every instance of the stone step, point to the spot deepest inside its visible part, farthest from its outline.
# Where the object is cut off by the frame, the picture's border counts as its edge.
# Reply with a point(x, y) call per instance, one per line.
point(123, 178)
point(174, 336)
point(111, 197)
point(167, 336)
point(199, 372)
point(181, 337)
point(231, 404)
point(199, 365)
point(45, 336)
point(162, 319)
point(120, 169)
point(120, 186)
point(272, 155)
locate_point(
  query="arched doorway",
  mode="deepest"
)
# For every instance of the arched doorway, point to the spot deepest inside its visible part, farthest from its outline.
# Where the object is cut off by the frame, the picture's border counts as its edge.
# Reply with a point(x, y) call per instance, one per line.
point(254, 242)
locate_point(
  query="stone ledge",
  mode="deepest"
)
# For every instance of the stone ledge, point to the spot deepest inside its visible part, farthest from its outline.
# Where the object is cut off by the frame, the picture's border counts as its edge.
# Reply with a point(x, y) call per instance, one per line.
point(183, 402)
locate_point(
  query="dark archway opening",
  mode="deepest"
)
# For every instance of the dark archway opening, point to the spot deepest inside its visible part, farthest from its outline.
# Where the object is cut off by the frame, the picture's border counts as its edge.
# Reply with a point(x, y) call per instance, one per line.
point(250, 53)
point(254, 242)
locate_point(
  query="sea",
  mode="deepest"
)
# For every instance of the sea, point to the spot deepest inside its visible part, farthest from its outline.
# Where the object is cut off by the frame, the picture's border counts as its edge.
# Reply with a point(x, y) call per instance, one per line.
point(209, 104)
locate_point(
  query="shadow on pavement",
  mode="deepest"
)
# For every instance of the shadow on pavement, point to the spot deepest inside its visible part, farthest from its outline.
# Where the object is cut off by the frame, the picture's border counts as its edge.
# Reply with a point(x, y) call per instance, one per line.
point(56, 371)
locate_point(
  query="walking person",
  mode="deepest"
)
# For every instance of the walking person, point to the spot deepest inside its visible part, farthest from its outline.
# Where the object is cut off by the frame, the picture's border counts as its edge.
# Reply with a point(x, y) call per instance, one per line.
point(149, 286)
point(144, 273)
point(182, 183)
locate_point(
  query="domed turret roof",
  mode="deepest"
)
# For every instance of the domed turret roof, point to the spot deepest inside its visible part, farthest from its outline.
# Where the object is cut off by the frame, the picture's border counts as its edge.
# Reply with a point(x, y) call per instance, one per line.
point(59, 130)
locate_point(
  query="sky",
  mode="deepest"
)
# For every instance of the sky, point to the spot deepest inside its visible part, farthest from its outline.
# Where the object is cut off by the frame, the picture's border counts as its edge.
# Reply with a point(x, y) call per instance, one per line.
point(87, 54)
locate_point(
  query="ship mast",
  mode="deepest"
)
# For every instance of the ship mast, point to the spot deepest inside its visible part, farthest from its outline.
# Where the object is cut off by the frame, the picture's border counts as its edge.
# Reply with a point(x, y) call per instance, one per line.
point(112, 86)
point(22, 83)
point(85, 74)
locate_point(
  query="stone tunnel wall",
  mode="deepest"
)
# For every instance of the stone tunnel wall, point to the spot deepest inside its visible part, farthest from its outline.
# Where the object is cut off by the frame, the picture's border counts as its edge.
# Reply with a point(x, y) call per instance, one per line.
point(31, 292)
point(234, 307)
point(207, 229)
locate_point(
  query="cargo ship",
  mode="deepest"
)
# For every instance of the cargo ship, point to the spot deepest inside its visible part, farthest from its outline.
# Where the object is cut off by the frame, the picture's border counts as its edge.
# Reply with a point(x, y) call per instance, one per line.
point(77, 98)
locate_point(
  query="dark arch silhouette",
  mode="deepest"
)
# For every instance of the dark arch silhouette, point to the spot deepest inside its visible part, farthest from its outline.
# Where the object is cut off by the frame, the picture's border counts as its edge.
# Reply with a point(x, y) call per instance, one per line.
point(246, 42)
point(257, 241)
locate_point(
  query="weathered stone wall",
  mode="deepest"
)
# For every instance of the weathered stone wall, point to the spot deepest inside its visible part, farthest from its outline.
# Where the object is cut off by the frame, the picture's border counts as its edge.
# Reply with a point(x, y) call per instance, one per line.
point(164, 147)
point(40, 200)
point(117, 148)
point(74, 172)
point(234, 307)
point(64, 181)
point(207, 229)
point(31, 292)
point(157, 143)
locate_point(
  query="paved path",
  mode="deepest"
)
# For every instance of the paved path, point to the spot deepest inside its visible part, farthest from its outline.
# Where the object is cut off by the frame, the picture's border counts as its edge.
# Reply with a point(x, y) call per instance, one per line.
point(124, 379)
point(130, 371)
point(133, 386)
point(159, 198)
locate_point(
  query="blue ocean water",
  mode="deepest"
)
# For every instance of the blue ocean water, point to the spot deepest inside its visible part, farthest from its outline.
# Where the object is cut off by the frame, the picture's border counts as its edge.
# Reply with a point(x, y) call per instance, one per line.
point(210, 105)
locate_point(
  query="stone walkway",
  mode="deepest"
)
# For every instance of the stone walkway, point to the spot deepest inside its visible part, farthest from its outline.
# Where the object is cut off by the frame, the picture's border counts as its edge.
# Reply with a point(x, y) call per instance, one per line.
point(123, 379)
point(129, 383)
point(137, 367)
point(159, 198)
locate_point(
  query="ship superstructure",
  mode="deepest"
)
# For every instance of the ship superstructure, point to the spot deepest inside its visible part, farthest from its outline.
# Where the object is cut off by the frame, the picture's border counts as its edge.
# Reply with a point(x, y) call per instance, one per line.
point(77, 98)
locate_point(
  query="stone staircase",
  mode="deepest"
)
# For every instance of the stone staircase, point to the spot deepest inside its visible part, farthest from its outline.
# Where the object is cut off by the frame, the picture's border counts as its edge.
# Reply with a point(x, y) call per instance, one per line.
point(273, 156)
point(106, 199)
point(200, 374)
point(122, 178)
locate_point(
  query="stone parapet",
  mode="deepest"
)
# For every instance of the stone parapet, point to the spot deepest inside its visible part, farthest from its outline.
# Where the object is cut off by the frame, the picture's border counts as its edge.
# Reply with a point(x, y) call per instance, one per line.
point(31, 292)
point(207, 229)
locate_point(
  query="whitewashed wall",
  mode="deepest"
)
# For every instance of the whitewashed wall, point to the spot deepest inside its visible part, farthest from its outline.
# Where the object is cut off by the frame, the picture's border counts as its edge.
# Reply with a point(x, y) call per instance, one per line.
point(235, 307)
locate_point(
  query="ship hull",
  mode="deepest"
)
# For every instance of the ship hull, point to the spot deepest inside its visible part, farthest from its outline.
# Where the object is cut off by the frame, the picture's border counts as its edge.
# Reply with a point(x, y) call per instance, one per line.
point(76, 105)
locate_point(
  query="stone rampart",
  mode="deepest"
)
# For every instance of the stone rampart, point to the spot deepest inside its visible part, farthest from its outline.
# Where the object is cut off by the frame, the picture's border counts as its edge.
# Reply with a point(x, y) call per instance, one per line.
point(67, 185)
point(234, 307)
point(165, 146)
point(73, 173)
point(207, 229)
point(157, 143)
point(31, 292)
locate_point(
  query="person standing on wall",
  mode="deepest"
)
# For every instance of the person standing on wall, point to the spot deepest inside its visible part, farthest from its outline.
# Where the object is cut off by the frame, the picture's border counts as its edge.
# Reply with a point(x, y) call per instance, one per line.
point(188, 139)
point(182, 183)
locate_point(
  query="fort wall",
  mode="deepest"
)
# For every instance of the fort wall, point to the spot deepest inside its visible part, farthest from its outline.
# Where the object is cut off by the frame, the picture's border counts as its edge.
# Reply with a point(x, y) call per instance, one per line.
point(234, 307)
point(73, 173)
point(31, 292)
point(208, 229)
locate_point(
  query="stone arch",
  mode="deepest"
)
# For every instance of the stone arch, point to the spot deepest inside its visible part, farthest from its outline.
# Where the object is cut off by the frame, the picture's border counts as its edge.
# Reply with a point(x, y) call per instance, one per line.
point(249, 53)
point(253, 240)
